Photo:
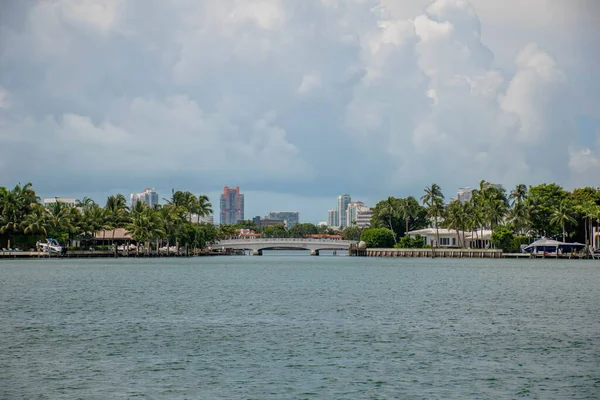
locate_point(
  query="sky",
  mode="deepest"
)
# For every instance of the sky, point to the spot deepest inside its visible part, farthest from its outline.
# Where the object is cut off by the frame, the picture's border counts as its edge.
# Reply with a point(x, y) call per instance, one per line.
point(295, 101)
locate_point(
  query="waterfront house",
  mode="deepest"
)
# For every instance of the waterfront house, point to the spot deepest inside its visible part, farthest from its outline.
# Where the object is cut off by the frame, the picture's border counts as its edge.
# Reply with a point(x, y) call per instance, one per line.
point(480, 239)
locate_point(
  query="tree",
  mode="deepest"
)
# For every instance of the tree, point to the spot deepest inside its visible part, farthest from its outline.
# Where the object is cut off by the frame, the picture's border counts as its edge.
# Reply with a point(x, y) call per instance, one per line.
point(503, 238)
point(36, 221)
point(378, 237)
point(203, 206)
point(518, 194)
point(390, 210)
point(433, 199)
point(455, 218)
point(408, 242)
point(352, 233)
point(146, 224)
point(562, 215)
point(303, 230)
point(409, 209)
point(542, 201)
point(116, 213)
point(15, 205)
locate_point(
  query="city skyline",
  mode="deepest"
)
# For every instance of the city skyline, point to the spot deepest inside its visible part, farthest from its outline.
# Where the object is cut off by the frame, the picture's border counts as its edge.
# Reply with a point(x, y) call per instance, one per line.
point(373, 98)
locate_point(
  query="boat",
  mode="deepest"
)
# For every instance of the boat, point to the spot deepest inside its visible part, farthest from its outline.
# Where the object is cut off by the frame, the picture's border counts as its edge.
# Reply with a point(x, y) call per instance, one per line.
point(50, 246)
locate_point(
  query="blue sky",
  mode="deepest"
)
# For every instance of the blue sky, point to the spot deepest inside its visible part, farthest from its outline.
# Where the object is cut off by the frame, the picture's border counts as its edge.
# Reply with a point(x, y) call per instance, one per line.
point(297, 102)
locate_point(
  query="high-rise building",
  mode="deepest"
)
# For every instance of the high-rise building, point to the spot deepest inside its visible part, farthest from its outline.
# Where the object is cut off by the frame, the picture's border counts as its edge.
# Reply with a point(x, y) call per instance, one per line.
point(358, 214)
point(291, 218)
point(332, 218)
point(352, 210)
point(232, 205)
point(363, 216)
point(148, 196)
point(464, 195)
point(342, 208)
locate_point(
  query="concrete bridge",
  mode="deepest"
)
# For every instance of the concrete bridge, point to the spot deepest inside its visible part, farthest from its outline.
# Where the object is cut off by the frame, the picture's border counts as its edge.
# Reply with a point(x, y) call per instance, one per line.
point(257, 245)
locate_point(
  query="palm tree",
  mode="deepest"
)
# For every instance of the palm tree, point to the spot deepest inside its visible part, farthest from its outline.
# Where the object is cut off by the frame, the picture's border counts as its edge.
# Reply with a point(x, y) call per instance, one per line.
point(146, 224)
point(390, 210)
point(562, 215)
point(455, 219)
point(116, 212)
point(37, 221)
point(433, 199)
point(496, 210)
point(519, 217)
point(408, 209)
point(93, 220)
point(15, 205)
point(518, 194)
point(203, 206)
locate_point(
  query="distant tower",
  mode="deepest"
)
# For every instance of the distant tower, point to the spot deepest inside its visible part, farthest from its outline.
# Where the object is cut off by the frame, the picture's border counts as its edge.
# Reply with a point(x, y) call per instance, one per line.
point(232, 206)
point(332, 218)
point(148, 196)
point(342, 208)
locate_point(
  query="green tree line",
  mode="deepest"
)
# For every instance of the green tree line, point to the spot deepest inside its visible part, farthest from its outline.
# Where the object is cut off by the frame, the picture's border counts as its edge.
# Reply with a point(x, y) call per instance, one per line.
point(24, 220)
point(519, 216)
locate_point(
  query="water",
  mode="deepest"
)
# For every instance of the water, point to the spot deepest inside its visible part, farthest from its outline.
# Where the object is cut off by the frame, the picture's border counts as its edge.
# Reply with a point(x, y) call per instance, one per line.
point(297, 327)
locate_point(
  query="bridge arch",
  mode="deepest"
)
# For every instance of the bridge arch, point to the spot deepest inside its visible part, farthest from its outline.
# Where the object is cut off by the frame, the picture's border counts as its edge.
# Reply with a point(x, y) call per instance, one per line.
point(257, 245)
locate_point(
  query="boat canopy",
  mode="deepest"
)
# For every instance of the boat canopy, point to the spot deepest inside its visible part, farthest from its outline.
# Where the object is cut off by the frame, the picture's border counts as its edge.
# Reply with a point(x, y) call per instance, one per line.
point(550, 245)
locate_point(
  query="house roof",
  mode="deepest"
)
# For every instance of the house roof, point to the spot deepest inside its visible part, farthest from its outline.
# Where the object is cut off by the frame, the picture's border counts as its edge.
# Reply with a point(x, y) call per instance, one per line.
point(119, 234)
point(484, 234)
point(553, 244)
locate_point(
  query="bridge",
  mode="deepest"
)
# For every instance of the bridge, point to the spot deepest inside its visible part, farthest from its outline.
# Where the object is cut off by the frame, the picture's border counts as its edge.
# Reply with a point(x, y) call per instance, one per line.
point(257, 245)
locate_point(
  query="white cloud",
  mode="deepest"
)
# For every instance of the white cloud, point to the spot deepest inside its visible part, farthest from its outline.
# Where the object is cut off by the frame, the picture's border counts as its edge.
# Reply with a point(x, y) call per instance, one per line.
point(309, 83)
point(288, 97)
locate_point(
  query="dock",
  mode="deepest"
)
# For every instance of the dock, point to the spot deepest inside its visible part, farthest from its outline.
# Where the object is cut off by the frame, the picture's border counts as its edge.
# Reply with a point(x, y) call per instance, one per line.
point(457, 253)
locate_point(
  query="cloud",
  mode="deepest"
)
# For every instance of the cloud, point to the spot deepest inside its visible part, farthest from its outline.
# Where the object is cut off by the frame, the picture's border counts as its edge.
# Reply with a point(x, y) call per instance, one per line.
point(309, 83)
point(301, 100)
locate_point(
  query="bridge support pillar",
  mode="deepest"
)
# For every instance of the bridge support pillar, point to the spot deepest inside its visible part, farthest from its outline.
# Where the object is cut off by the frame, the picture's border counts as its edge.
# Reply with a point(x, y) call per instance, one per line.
point(257, 252)
point(314, 252)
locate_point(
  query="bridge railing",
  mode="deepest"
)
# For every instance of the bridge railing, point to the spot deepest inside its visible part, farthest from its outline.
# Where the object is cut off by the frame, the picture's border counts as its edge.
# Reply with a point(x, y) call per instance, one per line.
point(303, 240)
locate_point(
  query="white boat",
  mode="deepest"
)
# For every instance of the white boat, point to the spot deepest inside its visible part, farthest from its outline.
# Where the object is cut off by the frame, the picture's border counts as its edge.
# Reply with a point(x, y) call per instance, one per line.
point(126, 248)
point(50, 246)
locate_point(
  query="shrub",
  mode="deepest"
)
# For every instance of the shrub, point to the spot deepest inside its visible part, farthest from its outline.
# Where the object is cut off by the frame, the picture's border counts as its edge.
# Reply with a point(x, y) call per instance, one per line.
point(503, 238)
point(378, 237)
point(408, 242)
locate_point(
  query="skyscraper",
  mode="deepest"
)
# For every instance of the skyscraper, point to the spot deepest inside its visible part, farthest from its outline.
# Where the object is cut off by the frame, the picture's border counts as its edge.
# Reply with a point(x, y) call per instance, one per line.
point(148, 196)
point(342, 208)
point(232, 206)
point(291, 218)
point(332, 218)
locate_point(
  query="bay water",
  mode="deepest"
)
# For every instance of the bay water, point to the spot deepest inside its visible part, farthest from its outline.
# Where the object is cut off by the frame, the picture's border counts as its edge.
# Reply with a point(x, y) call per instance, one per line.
point(290, 326)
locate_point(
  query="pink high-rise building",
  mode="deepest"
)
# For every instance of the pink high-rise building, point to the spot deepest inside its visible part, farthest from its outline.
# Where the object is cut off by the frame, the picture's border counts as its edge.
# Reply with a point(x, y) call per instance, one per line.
point(232, 206)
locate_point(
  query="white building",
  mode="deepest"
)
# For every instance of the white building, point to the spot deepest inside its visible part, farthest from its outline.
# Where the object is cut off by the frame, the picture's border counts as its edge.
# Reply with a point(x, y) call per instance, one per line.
point(332, 218)
point(208, 219)
point(464, 195)
point(450, 238)
point(148, 196)
point(358, 214)
point(65, 201)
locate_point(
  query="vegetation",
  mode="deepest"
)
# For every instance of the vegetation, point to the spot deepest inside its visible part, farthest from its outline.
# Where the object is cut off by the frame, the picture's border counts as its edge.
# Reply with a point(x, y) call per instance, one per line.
point(378, 237)
point(515, 218)
point(24, 220)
